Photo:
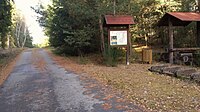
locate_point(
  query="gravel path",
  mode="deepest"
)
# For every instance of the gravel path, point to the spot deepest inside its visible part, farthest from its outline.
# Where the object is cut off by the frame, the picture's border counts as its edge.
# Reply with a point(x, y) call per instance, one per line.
point(37, 84)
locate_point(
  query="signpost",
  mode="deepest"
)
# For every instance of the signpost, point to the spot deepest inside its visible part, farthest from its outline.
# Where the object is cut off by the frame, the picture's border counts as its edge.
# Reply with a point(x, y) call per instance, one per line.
point(118, 32)
point(120, 38)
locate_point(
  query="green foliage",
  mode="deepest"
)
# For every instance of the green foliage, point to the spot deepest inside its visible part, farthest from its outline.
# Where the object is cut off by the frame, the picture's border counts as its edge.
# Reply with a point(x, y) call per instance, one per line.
point(148, 14)
point(5, 20)
point(20, 32)
point(112, 55)
point(29, 42)
point(73, 25)
point(135, 57)
point(10, 21)
point(185, 36)
point(187, 5)
point(64, 27)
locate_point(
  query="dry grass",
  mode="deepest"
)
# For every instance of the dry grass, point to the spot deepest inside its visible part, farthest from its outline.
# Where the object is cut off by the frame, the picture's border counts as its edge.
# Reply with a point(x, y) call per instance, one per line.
point(7, 63)
point(135, 82)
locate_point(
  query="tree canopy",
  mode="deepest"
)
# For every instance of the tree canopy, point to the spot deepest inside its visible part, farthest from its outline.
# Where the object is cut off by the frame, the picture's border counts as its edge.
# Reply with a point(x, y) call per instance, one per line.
point(73, 25)
point(13, 30)
point(5, 20)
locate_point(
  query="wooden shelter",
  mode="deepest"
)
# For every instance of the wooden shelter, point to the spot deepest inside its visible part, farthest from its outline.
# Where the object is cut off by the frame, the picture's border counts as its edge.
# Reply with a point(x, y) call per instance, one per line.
point(120, 24)
point(172, 19)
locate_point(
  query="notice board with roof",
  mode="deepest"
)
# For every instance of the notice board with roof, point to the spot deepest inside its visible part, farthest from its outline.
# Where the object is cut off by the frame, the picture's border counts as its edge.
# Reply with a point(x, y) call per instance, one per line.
point(118, 31)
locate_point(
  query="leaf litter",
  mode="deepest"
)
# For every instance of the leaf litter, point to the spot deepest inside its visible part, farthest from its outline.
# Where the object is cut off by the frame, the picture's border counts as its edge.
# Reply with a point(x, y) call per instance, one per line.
point(152, 91)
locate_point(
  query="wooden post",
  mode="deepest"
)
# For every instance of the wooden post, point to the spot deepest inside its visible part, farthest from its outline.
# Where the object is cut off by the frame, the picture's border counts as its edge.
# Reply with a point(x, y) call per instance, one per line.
point(109, 54)
point(128, 47)
point(130, 42)
point(109, 39)
point(198, 34)
point(170, 42)
point(198, 25)
point(127, 55)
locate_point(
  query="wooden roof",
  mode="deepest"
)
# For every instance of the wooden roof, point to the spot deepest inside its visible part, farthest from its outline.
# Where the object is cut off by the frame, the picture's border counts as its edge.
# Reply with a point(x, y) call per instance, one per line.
point(179, 18)
point(119, 20)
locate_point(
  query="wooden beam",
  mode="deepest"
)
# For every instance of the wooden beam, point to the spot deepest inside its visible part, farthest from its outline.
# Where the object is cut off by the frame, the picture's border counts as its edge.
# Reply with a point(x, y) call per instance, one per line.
point(185, 49)
point(171, 43)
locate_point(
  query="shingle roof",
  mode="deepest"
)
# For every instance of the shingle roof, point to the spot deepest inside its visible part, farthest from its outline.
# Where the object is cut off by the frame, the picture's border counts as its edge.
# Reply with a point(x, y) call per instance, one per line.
point(119, 20)
point(179, 18)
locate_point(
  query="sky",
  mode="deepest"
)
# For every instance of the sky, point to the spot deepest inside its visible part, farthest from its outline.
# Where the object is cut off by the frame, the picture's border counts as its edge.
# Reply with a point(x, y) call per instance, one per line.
point(24, 7)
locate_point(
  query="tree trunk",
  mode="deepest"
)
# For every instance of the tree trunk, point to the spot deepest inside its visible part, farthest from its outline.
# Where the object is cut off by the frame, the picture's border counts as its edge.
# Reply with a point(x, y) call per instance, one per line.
point(8, 41)
point(18, 33)
point(25, 35)
point(3, 41)
point(102, 35)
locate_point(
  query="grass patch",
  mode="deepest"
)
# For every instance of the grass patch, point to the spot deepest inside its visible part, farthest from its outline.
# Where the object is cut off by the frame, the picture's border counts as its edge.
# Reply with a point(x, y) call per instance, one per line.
point(6, 56)
point(7, 62)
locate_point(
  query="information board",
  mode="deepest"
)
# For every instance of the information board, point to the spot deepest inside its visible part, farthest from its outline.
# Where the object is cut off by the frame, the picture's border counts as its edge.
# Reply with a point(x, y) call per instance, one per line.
point(118, 37)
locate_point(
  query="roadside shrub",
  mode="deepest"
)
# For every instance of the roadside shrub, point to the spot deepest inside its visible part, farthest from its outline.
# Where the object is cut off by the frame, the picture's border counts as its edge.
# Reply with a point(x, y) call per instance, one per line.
point(136, 56)
point(65, 51)
point(111, 56)
point(82, 60)
point(156, 56)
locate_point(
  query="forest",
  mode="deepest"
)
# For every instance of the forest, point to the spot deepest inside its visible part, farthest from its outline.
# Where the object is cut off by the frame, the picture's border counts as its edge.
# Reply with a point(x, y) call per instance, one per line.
point(73, 26)
point(14, 32)
point(76, 72)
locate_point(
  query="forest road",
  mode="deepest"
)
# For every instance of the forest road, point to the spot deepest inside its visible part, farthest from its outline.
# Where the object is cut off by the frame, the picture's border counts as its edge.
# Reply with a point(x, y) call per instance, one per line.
point(38, 84)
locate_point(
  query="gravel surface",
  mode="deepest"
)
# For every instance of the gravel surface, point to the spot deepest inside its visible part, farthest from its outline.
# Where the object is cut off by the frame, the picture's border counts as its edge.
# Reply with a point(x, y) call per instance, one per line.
point(37, 84)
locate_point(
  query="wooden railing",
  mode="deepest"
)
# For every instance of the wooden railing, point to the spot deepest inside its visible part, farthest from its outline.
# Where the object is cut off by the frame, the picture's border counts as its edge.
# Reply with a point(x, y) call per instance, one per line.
point(185, 49)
